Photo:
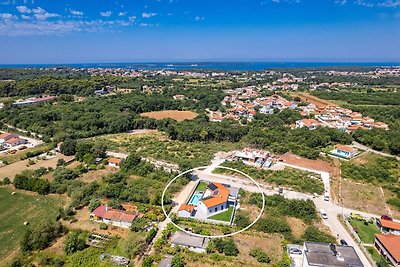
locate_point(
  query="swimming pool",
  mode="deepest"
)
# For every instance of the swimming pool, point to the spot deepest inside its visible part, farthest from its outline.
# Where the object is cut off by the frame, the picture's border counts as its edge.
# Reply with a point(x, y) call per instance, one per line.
point(194, 200)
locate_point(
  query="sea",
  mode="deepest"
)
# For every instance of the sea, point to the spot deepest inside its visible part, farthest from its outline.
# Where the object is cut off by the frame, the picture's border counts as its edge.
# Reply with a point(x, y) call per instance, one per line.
point(228, 66)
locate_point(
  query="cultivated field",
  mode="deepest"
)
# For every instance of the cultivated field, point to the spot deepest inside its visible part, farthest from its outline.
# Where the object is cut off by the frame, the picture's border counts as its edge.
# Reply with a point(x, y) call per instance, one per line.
point(17, 209)
point(171, 114)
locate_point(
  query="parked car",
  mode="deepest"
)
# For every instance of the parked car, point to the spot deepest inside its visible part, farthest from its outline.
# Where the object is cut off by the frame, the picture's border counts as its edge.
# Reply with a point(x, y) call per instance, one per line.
point(386, 218)
point(295, 251)
point(326, 196)
point(23, 147)
point(343, 242)
point(356, 216)
point(323, 214)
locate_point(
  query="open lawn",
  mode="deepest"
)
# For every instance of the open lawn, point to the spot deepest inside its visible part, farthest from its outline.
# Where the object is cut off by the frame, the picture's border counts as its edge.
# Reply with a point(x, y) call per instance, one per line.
point(365, 232)
point(201, 186)
point(19, 208)
point(223, 216)
point(171, 114)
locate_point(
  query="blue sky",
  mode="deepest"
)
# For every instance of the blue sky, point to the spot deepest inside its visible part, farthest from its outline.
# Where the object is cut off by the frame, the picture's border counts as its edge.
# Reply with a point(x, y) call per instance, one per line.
point(79, 31)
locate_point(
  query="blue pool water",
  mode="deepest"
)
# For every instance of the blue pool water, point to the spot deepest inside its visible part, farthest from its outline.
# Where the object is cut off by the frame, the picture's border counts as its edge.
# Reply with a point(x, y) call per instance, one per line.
point(194, 200)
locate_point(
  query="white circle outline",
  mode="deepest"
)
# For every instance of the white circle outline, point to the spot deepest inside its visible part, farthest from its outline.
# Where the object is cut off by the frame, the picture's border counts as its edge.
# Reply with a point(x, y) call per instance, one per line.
point(214, 236)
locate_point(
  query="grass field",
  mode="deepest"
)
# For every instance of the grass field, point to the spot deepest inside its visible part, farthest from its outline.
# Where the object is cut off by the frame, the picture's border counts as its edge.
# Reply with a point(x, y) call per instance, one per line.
point(201, 186)
point(17, 209)
point(171, 114)
point(365, 232)
point(223, 216)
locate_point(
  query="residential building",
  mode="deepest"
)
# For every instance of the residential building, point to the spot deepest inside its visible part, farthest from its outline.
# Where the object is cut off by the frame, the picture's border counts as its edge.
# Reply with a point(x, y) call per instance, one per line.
point(114, 162)
point(389, 227)
point(311, 124)
point(389, 247)
point(193, 243)
point(216, 198)
point(112, 216)
point(344, 151)
point(318, 254)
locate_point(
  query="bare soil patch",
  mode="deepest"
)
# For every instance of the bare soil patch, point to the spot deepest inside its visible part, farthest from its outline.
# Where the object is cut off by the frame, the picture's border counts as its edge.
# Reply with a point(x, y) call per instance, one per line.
point(298, 226)
point(177, 115)
point(318, 165)
point(320, 103)
point(365, 197)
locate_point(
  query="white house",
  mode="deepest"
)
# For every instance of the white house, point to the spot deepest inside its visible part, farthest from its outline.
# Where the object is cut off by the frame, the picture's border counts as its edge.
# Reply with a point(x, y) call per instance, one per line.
point(345, 151)
point(112, 216)
point(114, 162)
point(214, 200)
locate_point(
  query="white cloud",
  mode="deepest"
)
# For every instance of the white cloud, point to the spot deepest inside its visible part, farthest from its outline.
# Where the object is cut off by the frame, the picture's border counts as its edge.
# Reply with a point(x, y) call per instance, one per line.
point(25, 17)
point(6, 16)
point(390, 3)
point(132, 18)
point(23, 9)
point(105, 14)
point(148, 15)
point(340, 2)
point(122, 14)
point(58, 27)
point(385, 3)
point(76, 12)
point(39, 13)
point(198, 18)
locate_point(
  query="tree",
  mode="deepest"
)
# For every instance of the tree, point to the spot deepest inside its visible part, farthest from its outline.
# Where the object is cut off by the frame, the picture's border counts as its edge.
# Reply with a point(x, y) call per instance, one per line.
point(177, 261)
point(68, 147)
point(75, 241)
point(94, 203)
point(40, 236)
point(130, 162)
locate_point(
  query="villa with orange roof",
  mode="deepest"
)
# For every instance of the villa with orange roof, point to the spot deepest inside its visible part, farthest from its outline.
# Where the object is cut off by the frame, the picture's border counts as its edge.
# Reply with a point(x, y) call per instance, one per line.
point(389, 247)
point(344, 151)
point(204, 203)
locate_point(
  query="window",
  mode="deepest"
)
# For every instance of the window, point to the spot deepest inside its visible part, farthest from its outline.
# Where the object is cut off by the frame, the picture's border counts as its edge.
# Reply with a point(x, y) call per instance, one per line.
point(216, 208)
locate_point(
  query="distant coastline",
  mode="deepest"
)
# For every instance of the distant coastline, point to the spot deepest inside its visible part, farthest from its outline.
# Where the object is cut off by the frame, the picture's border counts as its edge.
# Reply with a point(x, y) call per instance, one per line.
point(228, 66)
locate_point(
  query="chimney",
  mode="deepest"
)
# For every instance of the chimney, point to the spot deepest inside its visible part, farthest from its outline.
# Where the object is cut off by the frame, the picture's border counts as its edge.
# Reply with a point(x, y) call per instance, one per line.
point(106, 207)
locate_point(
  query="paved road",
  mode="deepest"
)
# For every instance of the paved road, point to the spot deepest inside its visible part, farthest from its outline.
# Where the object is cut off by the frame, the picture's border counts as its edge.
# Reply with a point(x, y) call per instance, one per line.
point(332, 210)
point(362, 147)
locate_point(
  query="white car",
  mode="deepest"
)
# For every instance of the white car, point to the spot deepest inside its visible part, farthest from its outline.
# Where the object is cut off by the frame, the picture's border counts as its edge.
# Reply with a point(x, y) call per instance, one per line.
point(323, 214)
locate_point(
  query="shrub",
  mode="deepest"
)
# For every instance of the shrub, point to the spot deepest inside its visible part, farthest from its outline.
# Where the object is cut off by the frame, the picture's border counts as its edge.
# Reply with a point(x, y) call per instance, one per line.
point(177, 261)
point(260, 255)
point(103, 226)
point(6, 181)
